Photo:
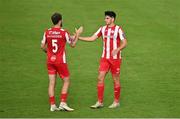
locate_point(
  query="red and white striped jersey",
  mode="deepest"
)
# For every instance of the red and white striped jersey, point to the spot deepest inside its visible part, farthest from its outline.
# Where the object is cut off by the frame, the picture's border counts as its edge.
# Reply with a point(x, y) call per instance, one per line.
point(56, 39)
point(112, 37)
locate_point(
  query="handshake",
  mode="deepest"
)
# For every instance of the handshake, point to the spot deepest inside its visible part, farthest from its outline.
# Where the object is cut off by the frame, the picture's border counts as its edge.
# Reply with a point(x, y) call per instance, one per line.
point(79, 31)
point(76, 36)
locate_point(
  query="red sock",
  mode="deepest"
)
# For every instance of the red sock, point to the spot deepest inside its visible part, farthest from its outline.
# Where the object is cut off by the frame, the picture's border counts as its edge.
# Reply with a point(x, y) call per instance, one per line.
point(100, 90)
point(117, 90)
point(52, 100)
point(63, 97)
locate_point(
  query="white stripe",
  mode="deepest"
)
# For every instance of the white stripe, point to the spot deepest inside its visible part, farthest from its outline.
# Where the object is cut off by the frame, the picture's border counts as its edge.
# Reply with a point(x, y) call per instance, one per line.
point(115, 40)
point(103, 29)
point(62, 29)
point(98, 31)
point(64, 57)
point(67, 38)
point(121, 34)
point(44, 39)
point(108, 44)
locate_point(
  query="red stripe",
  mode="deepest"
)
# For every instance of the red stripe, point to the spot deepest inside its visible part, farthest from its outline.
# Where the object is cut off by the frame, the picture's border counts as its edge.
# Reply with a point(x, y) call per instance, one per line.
point(111, 42)
point(111, 46)
point(118, 42)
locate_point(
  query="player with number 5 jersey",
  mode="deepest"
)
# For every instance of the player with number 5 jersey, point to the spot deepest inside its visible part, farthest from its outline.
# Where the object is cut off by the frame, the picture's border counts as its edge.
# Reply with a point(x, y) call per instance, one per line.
point(54, 43)
point(56, 39)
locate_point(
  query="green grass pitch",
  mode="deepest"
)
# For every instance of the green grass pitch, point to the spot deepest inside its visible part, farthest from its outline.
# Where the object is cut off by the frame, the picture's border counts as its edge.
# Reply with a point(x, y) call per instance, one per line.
point(150, 72)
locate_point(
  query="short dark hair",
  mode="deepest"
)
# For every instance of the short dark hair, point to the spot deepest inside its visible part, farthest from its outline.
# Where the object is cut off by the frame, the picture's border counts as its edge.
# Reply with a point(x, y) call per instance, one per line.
point(56, 17)
point(110, 13)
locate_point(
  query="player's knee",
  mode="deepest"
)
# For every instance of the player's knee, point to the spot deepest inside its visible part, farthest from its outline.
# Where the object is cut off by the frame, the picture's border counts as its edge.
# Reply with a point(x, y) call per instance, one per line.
point(52, 83)
point(116, 78)
point(100, 79)
point(117, 82)
point(66, 79)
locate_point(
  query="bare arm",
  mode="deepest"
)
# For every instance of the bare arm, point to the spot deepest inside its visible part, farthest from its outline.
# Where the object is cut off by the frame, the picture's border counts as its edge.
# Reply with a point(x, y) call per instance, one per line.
point(74, 40)
point(122, 46)
point(44, 47)
point(92, 38)
point(43, 43)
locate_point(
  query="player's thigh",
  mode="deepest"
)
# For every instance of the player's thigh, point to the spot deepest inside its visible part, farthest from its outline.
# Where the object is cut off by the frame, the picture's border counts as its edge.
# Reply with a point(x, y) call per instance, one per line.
point(116, 78)
point(52, 76)
point(51, 69)
point(102, 75)
point(52, 79)
point(63, 71)
point(104, 65)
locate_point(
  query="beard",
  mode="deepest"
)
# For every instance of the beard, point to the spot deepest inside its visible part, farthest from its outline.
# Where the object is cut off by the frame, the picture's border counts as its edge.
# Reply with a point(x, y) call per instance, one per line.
point(107, 23)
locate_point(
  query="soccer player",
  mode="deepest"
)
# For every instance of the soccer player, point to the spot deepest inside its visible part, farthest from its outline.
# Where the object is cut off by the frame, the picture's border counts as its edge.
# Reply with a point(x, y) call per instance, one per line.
point(114, 41)
point(53, 42)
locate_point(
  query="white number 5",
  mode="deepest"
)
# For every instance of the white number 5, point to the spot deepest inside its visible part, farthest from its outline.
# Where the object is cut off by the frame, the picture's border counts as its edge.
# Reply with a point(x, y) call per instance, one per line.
point(55, 46)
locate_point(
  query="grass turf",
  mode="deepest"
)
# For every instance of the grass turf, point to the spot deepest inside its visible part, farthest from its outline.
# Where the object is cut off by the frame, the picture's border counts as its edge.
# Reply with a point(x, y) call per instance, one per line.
point(150, 70)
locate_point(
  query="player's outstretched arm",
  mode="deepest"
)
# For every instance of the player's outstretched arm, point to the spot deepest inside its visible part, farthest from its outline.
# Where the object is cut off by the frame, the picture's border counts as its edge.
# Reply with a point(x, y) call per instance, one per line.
point(92, 38)
point(122, 46)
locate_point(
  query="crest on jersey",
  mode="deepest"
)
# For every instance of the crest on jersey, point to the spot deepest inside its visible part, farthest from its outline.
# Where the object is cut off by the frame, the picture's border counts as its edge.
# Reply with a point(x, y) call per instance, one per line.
point(53, 58)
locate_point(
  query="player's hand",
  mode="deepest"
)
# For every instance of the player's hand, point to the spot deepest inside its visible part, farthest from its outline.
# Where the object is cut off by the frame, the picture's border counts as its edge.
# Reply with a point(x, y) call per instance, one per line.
point(79, 31)
point(115, 52)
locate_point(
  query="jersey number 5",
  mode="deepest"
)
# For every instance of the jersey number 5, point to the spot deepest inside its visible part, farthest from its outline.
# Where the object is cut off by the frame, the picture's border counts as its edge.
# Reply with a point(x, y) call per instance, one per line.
point(55, 46)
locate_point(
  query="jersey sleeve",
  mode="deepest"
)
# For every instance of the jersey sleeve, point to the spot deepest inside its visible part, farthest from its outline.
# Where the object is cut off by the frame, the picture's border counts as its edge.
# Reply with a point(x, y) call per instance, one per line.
point(43, 41)
point(68, 38)
point(122, 34)
point(98, 32)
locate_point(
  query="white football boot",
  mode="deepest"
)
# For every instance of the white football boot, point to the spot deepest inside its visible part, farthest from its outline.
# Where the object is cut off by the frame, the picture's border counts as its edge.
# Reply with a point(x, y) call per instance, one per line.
point(54, 108)
point(65, 107)
point(97, 105)
point(114, 105)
